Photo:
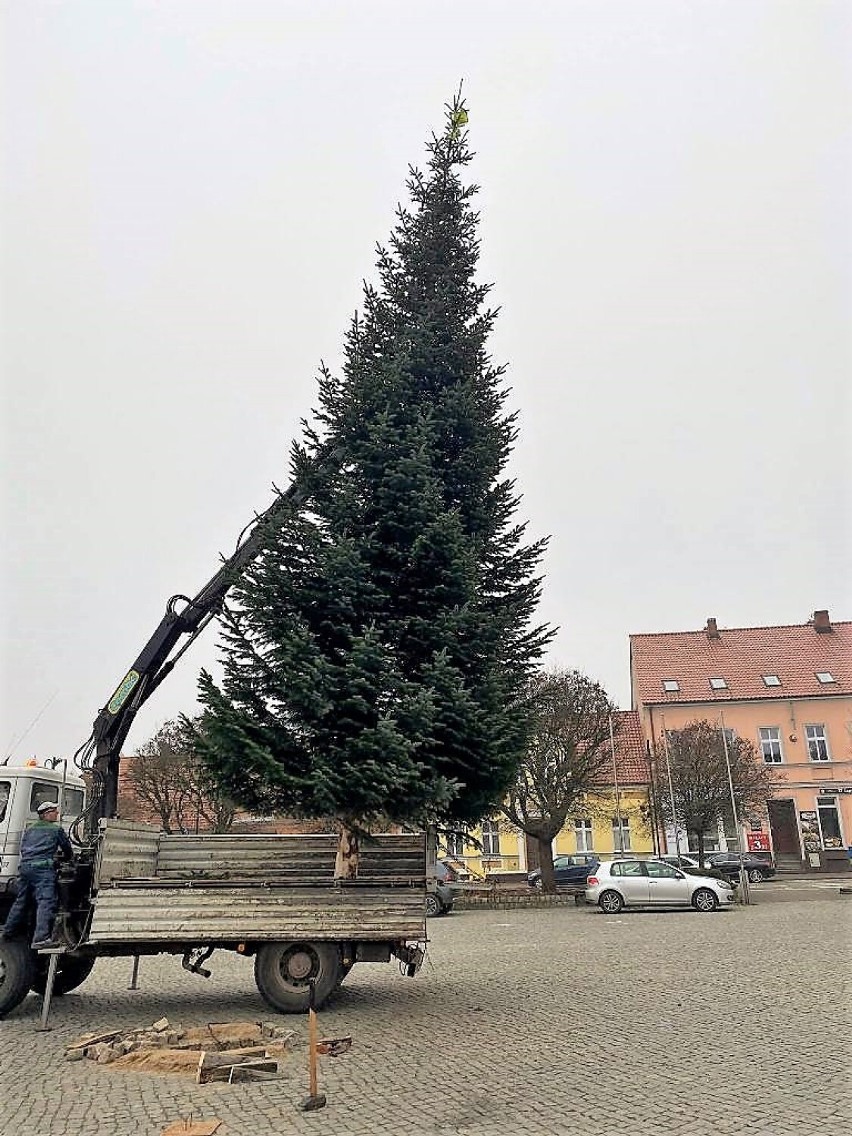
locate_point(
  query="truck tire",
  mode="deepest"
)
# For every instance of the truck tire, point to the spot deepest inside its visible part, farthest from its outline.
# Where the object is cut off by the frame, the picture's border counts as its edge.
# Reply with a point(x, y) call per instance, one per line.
point(283, 972)
point(16, 974)
point(70, 973)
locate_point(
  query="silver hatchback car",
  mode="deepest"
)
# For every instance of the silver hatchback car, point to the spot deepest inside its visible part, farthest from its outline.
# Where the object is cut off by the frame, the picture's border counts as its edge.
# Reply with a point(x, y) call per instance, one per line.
point(651, 883)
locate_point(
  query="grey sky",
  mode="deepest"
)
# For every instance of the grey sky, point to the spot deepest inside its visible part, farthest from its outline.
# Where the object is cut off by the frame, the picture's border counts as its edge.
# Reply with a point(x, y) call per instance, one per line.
point(192, 196)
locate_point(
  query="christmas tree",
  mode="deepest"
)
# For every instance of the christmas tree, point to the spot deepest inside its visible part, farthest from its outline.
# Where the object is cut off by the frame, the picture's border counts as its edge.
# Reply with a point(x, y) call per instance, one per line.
point(376, 653)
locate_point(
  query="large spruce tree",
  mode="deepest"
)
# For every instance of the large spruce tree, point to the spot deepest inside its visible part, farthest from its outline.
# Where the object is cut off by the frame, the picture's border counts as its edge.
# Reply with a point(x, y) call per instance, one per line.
point(376, 653)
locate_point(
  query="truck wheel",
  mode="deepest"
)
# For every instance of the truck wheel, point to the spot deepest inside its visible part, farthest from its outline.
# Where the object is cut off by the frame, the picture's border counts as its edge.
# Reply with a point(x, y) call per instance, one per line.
point(70, 973)
point(283, 972)
point(16, 974)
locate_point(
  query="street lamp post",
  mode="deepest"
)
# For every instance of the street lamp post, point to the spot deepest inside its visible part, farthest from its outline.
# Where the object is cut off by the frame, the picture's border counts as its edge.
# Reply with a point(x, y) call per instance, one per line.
point(617, 794)
point(675, 825)
point(737, 827)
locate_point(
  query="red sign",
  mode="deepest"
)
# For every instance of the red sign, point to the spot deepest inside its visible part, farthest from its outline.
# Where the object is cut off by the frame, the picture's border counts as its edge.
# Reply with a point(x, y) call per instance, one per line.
point(758, 841)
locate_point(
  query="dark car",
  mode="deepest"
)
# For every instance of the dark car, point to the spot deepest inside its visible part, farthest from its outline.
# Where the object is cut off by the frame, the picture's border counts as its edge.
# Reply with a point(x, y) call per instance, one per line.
point(757, 868)
point(568, 870)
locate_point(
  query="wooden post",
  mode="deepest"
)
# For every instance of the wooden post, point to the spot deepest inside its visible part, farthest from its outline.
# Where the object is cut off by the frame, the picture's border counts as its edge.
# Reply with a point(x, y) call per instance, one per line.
point(315, 1099)
point(312, 1045)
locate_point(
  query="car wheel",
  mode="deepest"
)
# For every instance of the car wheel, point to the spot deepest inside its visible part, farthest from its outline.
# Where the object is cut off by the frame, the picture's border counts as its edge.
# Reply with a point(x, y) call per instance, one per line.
point(705, 900)
point(755, 875)
point(283, 973)
point(433, 904)
point(610, 903)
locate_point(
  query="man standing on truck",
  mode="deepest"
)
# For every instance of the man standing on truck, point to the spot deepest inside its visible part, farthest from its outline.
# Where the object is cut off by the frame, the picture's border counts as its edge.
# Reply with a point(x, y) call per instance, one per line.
point(41, 845)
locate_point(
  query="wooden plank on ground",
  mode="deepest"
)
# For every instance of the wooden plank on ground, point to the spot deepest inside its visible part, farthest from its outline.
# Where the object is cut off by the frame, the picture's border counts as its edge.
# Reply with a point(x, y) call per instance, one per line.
point(190, 1127)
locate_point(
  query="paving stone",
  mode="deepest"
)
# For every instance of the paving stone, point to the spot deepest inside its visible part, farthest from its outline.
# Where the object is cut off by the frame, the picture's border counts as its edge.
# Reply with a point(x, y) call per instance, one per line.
point(546, 1021)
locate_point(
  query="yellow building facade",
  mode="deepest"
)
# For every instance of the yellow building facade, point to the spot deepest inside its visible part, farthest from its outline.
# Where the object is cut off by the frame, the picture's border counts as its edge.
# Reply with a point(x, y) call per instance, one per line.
point(621, 790)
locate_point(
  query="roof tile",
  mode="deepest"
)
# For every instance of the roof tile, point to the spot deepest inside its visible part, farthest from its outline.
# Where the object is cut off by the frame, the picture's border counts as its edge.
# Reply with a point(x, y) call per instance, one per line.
point(741, 655)
point(631, 762)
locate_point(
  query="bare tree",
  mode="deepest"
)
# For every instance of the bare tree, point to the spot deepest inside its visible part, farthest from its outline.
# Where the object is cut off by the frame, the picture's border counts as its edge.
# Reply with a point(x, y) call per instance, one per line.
point(568, 748)
point(166, 779)
point(699, 779)
point(213, 806)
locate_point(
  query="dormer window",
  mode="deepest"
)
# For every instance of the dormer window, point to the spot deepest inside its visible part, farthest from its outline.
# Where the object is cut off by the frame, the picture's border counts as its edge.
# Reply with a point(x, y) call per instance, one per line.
point(771, 680)
point(719, 683)
point(825, 677)
point(671, 685)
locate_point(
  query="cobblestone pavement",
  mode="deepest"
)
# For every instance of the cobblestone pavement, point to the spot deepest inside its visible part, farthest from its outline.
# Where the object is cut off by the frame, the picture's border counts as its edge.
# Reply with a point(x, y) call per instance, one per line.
point(539, 1022)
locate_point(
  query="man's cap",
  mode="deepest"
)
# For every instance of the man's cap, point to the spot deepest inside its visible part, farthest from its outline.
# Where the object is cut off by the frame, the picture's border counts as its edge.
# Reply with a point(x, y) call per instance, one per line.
point(46, 806)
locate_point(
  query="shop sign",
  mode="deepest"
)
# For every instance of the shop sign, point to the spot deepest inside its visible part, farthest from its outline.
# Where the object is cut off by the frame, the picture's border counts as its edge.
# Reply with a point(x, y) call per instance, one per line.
point(810, 830)
point(757, 841)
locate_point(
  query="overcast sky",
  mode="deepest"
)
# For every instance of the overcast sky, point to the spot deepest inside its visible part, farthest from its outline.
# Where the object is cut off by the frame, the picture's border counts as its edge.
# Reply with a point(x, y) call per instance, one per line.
point(193, 192)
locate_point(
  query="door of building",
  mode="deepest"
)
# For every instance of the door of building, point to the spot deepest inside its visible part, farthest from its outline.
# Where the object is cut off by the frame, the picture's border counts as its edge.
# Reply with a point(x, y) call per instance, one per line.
point(785, 832)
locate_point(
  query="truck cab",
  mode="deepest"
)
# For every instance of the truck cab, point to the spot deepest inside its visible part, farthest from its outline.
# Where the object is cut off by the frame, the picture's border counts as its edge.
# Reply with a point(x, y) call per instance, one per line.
point(22, 789)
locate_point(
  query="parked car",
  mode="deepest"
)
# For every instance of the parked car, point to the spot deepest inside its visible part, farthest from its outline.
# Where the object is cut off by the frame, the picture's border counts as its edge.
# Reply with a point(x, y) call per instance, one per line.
point(439, 895)
point(757, 867)
point(651, 883)
point(571, 869)
point(690, 865)
point(678, 861)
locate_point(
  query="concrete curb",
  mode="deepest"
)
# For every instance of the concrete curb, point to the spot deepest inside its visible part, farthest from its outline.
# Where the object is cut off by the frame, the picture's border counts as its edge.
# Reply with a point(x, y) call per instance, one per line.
point(508, 900)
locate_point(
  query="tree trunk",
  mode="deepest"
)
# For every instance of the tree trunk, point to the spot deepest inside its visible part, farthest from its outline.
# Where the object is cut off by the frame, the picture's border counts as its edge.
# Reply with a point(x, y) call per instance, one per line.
point(346, 864)
point(545, 859)
point(699, 838)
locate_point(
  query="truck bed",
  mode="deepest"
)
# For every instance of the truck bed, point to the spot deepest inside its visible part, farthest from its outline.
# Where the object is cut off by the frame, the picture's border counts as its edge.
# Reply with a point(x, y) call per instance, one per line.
point(156, 888)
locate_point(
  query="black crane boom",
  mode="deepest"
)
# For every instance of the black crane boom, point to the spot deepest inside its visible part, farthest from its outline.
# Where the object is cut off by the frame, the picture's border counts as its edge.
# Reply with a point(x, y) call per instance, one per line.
point(184, 619)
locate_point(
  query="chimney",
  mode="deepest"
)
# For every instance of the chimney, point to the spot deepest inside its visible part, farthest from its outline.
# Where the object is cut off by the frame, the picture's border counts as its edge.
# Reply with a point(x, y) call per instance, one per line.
point(821, 622)
point(711, 629)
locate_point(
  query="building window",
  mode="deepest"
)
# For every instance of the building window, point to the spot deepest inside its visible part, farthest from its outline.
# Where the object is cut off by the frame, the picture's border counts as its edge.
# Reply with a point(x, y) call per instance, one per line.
point(619, 831)
point(771, 680)
point(719, 683)
point(825, 677)
point(829, 822)
point(583, 833)
point(671, 685)
point(455, 845)
point(817, 743)
point(770, 744)
point(490, 838)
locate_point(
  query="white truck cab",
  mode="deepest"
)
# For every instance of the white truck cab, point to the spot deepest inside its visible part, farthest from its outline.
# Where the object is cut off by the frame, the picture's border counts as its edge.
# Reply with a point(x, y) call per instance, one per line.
point(22, 789)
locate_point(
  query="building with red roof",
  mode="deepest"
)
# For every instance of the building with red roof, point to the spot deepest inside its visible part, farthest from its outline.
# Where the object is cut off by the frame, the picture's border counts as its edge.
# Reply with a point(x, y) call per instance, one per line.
point(788, 690)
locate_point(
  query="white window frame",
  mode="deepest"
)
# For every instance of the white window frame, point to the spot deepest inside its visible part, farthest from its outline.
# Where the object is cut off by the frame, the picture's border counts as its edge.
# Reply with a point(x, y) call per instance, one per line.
point(814, 734)
point(584, 834)
point(490, 838)
point(826, 678)
point(455, 844)
point(671, 685)
point(771, 679)
point(718, 682)
point(617, 833)
point(770, 741)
